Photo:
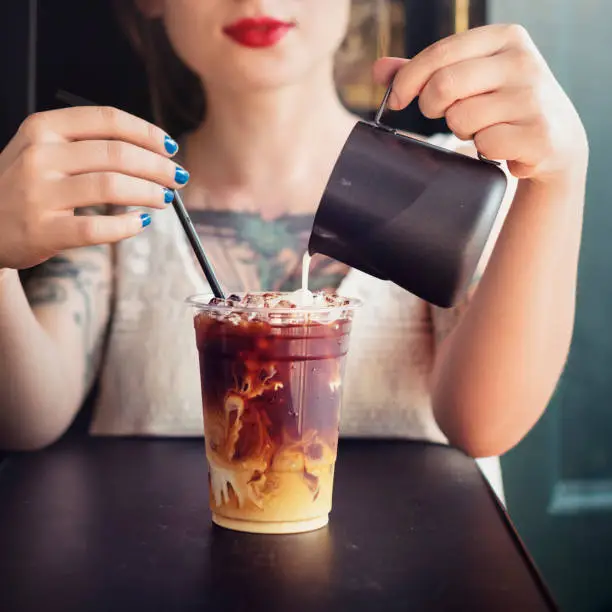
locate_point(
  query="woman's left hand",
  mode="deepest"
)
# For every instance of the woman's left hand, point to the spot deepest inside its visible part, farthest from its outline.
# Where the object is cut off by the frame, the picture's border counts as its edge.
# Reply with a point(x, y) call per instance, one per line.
point(493, 86)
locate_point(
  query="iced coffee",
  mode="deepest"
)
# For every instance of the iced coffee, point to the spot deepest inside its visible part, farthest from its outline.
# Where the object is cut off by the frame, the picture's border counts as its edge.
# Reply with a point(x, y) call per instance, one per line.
point(271, 369)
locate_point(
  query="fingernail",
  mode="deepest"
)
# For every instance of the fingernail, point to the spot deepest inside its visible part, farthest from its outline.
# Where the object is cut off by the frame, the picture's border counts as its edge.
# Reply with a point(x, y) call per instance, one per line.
point(171, 145)
point(168, 195)
point(181, 176)
point(145, 219)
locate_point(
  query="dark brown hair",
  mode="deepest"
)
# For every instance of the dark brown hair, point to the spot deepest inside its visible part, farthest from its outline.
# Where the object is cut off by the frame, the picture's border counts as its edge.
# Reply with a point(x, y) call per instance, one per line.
point(177, 98)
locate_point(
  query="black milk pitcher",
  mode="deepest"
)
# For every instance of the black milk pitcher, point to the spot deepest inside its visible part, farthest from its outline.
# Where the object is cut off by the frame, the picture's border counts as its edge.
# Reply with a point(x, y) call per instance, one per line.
point(407, 211)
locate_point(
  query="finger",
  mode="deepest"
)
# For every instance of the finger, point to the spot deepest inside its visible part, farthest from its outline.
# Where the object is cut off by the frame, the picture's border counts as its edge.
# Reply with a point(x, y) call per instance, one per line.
point(70, 232)
point(522, 144)
point(479, 42)
point(499, 142)
point(95, 123)
point(108, 188)
point(113, 156)
point(472, 115)
point(467, 79)
point(386, 68)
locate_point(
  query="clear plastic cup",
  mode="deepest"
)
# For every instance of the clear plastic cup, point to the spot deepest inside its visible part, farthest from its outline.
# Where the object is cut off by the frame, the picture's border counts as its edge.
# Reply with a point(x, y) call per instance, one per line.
point(271, 391)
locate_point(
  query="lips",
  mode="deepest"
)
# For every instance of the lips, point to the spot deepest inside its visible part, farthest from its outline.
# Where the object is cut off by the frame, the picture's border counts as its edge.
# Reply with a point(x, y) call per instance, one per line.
point(258, 33)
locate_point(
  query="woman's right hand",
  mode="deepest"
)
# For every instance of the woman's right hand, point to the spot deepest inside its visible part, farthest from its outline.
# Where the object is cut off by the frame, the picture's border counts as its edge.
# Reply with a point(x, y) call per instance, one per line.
point(73, 158)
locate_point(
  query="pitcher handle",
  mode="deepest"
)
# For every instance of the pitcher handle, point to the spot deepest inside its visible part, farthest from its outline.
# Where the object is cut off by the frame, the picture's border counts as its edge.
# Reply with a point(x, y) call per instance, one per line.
point(383, 107)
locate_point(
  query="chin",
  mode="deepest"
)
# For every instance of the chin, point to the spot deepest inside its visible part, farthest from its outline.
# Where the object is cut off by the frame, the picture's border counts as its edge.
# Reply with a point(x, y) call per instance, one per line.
point(250, 73)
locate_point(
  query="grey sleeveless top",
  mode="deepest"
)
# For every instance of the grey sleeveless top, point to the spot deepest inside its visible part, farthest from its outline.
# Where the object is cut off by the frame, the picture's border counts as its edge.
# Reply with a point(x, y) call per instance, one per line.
point(150, 376)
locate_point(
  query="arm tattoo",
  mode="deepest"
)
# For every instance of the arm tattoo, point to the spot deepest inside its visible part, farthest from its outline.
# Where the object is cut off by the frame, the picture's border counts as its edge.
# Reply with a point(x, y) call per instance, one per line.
point(48, 293)
point(47, 285)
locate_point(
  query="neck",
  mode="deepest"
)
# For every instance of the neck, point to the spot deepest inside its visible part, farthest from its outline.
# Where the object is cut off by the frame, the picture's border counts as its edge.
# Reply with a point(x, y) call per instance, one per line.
point(272, 139)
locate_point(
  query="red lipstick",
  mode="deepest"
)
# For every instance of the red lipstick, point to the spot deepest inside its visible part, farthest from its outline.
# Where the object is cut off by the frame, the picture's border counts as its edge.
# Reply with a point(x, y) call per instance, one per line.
point(258, 33)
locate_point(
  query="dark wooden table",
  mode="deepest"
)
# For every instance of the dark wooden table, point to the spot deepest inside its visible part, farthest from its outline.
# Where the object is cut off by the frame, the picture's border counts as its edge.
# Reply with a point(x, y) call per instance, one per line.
point(112, 525)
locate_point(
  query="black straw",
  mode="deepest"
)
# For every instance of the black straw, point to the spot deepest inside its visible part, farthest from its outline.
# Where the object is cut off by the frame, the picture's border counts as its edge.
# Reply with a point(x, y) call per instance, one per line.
point(179, 208)
point(72, 99)
point(196, 245)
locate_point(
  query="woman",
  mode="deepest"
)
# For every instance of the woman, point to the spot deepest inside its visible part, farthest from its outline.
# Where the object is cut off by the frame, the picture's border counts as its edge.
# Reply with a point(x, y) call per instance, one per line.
point(259, 153)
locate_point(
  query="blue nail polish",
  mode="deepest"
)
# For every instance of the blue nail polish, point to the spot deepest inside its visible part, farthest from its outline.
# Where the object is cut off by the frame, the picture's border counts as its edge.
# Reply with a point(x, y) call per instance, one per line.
point(145, 219)
point(168, 196)
point(170, 145)
point(181, 176)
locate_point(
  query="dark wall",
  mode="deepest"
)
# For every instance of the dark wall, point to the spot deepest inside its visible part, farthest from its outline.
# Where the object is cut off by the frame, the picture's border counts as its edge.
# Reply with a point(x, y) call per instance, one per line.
point(93, 60)
point(79, 48)
point(14, 69)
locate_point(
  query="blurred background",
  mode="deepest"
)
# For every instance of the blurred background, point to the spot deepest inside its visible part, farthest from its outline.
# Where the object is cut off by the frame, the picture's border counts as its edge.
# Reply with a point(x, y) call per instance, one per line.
point(559, 480)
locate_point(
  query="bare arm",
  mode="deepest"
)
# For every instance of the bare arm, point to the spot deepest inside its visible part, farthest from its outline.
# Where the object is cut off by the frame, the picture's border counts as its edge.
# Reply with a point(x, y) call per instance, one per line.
point(497, 370)
point(51, 336)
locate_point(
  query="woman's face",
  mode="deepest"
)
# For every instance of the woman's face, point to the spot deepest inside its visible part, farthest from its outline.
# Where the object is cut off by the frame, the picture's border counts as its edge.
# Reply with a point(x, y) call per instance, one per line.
point(252, 44)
